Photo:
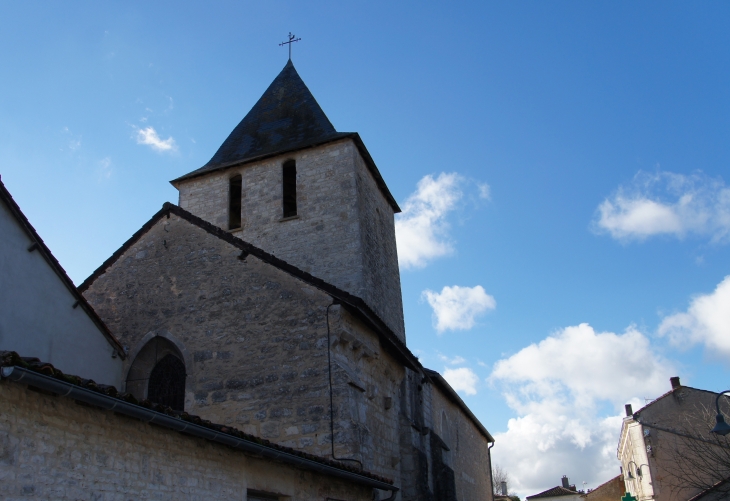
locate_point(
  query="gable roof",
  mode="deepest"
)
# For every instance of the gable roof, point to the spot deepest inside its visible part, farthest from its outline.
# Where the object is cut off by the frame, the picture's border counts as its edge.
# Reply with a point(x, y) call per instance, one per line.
point(284, 119)
point(42, 375)
point(662, 397)
point(554, 492)
point(352, 303)
point(439, 381)
point(40, 246)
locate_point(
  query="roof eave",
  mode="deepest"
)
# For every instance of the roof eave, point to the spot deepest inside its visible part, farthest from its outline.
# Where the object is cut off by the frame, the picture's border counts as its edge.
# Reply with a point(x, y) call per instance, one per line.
point(119, 406)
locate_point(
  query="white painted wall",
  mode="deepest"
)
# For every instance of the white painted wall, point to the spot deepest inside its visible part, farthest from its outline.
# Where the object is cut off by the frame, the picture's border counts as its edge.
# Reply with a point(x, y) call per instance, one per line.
point(37, 318)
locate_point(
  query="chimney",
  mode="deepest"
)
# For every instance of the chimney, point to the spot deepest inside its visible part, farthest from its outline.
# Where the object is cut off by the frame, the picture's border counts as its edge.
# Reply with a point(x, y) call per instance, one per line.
point(629, 410)
point(675, 382)
point(566, 483)
point(503, 487)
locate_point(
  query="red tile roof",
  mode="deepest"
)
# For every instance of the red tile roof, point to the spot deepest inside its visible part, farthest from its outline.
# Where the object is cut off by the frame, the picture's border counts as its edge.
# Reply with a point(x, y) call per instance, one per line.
point(554, 492)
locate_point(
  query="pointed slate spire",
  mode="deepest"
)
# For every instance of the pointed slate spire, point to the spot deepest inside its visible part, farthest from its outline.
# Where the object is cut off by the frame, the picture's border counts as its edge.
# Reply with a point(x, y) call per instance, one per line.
point(286, 117)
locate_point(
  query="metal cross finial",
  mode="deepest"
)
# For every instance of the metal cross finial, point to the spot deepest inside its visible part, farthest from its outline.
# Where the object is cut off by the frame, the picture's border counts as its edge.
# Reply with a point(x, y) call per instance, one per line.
point(292, 39)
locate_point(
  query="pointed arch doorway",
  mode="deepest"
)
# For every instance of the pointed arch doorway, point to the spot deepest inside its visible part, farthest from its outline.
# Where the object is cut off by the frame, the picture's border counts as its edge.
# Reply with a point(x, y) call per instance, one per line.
point(158, 374)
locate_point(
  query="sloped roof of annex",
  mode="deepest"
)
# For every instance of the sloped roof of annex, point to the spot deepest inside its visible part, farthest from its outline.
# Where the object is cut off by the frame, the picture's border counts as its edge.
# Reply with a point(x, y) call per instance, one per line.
point(45, 376)
point(40, 246)
point(454, 397)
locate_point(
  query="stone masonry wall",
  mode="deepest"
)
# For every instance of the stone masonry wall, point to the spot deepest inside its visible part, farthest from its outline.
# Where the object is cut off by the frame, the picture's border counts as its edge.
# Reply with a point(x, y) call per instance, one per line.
point(381, 275)
point(469, 451)
point(256, 344)
point(325, 238)
point(370, 410)
point(53, 448)
point(415, 421)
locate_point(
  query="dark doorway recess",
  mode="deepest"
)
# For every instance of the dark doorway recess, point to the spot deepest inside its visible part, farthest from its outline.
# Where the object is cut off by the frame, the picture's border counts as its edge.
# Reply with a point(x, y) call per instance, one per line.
point(167, 383)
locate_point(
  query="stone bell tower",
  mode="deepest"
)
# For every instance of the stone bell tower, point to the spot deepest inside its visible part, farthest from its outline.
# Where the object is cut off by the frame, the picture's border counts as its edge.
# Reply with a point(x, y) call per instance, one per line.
point(286, 181)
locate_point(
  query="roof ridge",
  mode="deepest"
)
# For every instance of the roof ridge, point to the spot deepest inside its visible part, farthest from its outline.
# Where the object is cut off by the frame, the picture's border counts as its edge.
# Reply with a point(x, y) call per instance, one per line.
point(58, 269)
point(670, 392)
point(349, 300)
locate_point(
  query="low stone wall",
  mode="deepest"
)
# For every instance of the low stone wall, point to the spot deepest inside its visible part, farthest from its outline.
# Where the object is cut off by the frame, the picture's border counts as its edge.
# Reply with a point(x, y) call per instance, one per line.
point(54, 448)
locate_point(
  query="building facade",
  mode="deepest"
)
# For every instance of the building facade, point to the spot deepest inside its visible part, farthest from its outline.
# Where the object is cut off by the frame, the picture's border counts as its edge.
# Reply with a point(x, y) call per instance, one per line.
point(269, 300)
point(667, 452)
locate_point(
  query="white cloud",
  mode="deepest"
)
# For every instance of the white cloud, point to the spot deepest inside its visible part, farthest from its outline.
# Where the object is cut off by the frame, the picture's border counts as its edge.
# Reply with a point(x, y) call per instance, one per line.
point(485, 192)
point(665, 203)
point(75, 142)
point(706, 321)
point(456, 307)
point(421, 229)
point(105, 168)
point(456, 360)
point(462, 379)
point(568, 392)
point(149, 136)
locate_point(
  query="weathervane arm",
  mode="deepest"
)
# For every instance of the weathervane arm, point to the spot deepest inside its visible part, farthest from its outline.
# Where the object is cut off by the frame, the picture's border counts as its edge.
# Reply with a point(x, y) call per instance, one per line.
point(292, 39)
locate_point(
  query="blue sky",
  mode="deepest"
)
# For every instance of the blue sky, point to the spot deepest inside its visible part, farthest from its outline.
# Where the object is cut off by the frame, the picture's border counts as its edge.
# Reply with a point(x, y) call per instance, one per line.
point(600, 129)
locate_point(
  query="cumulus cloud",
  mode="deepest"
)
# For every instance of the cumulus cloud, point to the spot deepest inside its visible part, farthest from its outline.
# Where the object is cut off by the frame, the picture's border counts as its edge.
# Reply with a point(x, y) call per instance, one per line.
point(149, 136)
point(421, 229)
point(457, 307)
point(568, 392)
point(706, 321)
point(462, 379)
point(666, 203)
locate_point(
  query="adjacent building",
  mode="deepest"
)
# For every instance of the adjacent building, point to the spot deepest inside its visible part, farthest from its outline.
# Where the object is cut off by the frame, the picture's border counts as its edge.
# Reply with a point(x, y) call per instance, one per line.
point(613, 490)
point(666, 449)
point(41, 313)
point(563, 492)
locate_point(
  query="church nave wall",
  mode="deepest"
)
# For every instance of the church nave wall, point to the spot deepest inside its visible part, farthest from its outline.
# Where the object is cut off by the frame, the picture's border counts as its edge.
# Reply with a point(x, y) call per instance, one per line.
point(254, 340)
point(468, 455)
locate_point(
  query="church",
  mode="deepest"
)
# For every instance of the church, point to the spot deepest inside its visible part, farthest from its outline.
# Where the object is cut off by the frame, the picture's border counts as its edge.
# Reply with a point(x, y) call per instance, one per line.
point(268, 301)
